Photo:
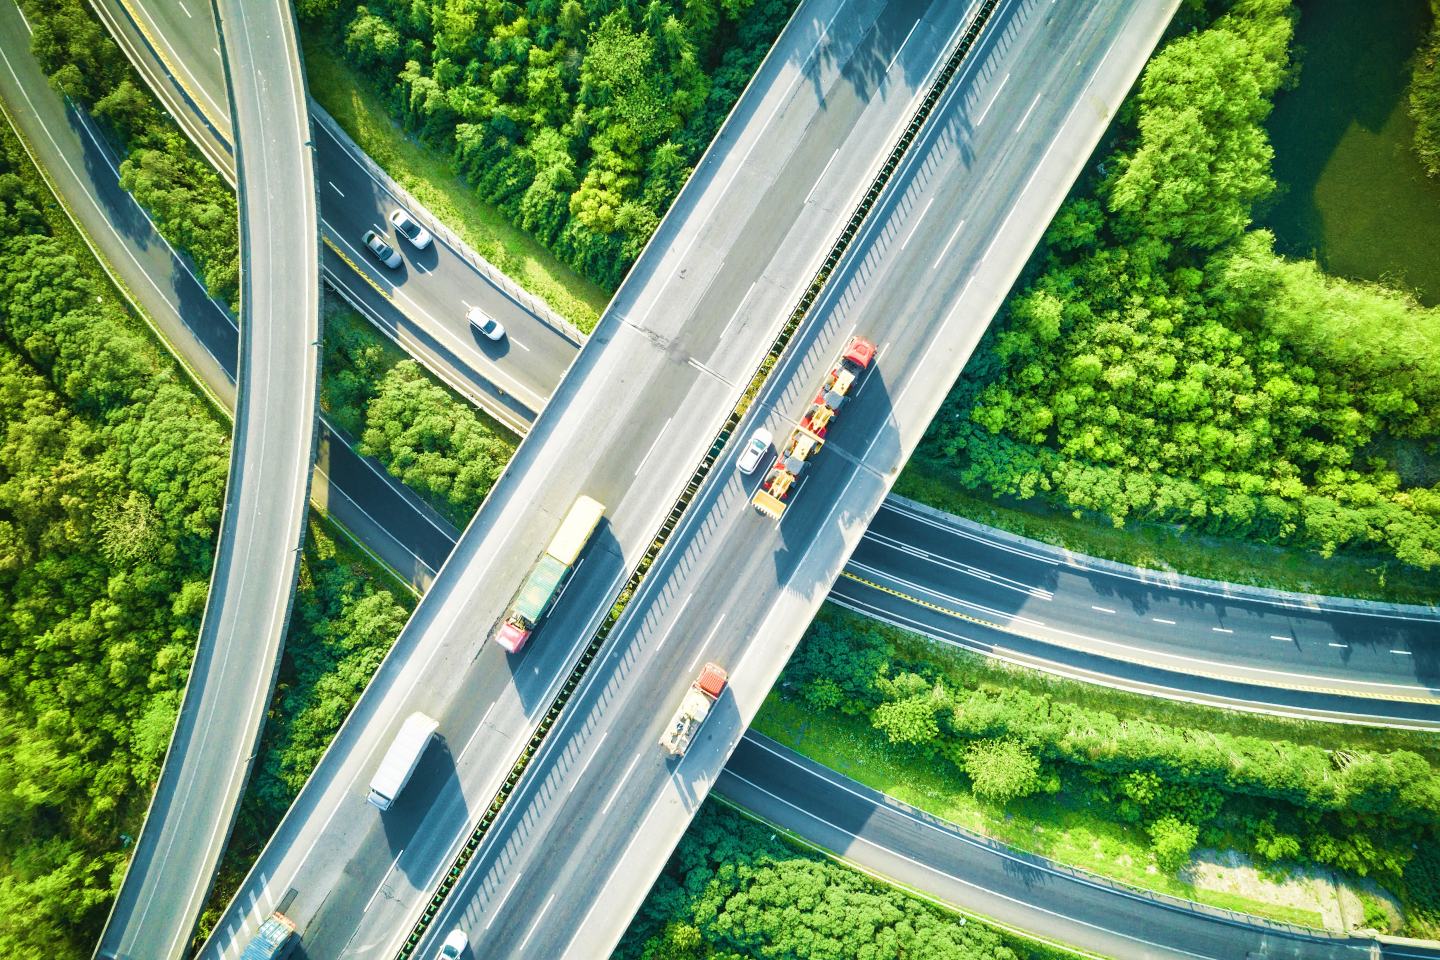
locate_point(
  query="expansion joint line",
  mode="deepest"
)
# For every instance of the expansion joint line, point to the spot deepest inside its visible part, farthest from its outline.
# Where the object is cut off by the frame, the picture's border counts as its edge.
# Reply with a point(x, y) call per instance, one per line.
point(777, 348)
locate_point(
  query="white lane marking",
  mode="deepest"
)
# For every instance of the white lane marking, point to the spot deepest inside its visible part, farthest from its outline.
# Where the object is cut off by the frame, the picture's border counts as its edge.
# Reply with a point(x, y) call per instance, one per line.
point(654, 443)
point(513, 884)
point(901, 47)
point(586, 765)
point(1402, 653)
point(1027, 117)
point(1222, 629)
point(946, 249)
point(981, 119)
point(335, 188)
point(1101, 609)
point(1342, 646)
point(620, 786)
point(516, 343)
point(1170, 623)
point(725, 334)
point(933, 869)
point(217, 53)
point(538, 917)
point(916, 227)
point(186, 9)
point(674, 618)
point(821, 179)
point(381, 885)
point(1276, 636)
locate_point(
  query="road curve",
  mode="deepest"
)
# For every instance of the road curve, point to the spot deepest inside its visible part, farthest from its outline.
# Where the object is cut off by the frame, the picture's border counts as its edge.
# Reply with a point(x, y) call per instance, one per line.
point(975, 874)
point(421, 304)
point(262, 528)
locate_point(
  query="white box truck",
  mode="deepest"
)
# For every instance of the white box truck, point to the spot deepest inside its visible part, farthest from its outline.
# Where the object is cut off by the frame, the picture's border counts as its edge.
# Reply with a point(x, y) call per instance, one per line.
point(401, 759)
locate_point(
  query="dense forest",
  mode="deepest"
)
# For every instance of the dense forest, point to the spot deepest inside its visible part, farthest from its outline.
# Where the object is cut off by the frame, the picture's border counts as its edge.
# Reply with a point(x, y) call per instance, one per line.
point(1425, 95)
point(732, 890)
point(436, 444)
point(194, 209)
point(1368, 812)
point(112, 472)
point(579, 119)
point(1162, 362)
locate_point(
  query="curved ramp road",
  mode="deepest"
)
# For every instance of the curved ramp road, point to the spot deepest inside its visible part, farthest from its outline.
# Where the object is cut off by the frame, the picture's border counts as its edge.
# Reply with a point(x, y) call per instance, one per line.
point(261, 532)
point(422, 304)
point(923, 852)
point(1001, 150)
point(626, 427)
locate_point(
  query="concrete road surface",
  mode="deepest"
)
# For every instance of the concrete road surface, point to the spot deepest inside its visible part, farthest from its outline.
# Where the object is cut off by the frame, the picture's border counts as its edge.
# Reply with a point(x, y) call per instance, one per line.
point(422, 304)
point(262, 528)
point(627, 426)
point(981, 876)
point(600, 807)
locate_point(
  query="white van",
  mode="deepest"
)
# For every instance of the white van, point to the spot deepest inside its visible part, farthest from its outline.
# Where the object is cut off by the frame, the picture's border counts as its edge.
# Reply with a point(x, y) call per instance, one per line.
point(401, 759)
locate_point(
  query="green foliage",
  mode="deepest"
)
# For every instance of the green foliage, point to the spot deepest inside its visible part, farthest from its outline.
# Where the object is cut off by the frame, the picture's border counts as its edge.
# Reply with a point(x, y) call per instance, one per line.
point(579, 120)
point(1363, 811)
point(732, 890)
point(1425, 96)
point(1000, 770)
point(1165, 365)
point(111, 478)
point(192, 207)
point(1172, 840)
point(425, 436)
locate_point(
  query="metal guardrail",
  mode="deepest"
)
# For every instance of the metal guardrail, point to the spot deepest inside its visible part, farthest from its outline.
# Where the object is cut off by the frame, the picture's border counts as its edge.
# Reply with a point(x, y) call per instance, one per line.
point(697, 479)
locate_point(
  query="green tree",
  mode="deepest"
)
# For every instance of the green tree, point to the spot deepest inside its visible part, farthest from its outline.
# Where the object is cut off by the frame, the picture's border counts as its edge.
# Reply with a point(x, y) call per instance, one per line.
point(1001, 770)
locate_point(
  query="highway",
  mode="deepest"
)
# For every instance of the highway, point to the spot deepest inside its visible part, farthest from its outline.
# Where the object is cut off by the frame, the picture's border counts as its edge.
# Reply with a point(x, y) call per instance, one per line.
point(735, 587)
point(422, 304)
point(626, 426)
point(1022, 891)
point(263, 523)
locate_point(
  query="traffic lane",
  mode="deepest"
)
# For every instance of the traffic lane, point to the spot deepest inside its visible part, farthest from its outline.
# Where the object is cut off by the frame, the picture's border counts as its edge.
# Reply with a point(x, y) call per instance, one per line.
point(611, 375)
point(1246, 648)
point(352, 201)
point(828, 525)
point(184, 33)
point(978, 874)
point(1174, 677)
point(484, 728)
point(1400, 646)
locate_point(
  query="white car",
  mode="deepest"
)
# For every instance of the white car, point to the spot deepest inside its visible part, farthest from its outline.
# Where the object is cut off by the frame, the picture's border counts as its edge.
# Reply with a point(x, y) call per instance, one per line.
point(382, 250)
point(409, 228)
point(484, 324)
point(454, 945)
point(754, 450)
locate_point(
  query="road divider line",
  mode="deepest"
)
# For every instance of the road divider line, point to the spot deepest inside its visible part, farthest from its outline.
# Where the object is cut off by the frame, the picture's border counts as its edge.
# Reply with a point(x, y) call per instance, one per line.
point(499, 906)
point(1168, 623)
point(1101, 609)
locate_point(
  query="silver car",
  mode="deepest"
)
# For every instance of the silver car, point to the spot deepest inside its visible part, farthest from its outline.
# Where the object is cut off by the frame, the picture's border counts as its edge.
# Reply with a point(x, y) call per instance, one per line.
point(409, 228)
point(383, 251)
point(484, 324)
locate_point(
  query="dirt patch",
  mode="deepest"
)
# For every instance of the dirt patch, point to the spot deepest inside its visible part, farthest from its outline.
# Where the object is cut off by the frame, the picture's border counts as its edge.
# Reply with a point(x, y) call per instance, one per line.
point(1229, 871)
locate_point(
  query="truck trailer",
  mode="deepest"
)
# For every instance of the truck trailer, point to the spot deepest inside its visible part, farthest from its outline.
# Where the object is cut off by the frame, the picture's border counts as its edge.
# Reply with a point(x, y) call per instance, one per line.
point(809, 436)
point(694, 709)
point(543, 583)
point(275, 939)
point(401, 759)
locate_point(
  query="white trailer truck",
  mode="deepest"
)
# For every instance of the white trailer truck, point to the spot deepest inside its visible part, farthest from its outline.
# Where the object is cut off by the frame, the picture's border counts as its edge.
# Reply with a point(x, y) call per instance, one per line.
point(401, 759)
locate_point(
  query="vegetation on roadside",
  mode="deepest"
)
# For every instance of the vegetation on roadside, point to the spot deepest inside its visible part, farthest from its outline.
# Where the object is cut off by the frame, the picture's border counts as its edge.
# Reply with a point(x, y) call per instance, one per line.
point(424, 434)
point(192, 207)
point(579, 120)
point(112, 476)
point(1163, 364)
point(427, 174)
point(1425, 96)
point(734, 889)
point(1112, 782)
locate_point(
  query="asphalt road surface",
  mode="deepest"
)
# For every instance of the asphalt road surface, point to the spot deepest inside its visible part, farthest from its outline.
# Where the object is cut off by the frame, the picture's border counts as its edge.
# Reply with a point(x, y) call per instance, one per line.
point(626, 426)
point(600, 807)
point(422, 304)
point(266, 497)
point(982, 877)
